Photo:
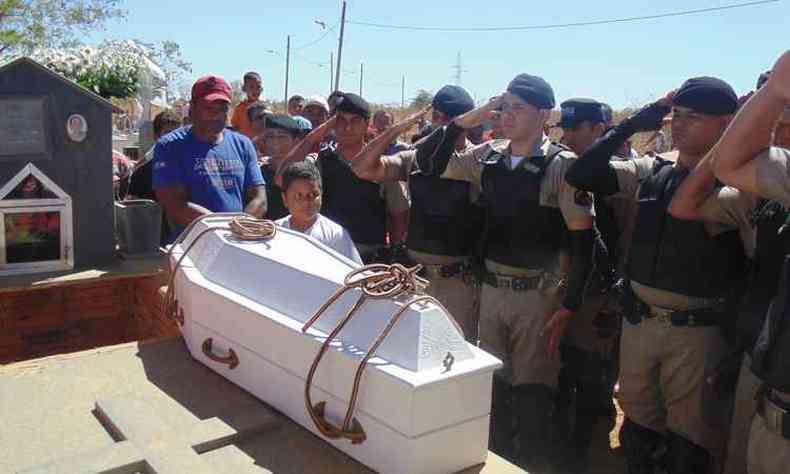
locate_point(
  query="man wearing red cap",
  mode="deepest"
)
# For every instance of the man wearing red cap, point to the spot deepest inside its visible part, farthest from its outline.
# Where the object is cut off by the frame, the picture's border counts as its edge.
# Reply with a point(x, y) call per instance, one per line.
point(206, 168)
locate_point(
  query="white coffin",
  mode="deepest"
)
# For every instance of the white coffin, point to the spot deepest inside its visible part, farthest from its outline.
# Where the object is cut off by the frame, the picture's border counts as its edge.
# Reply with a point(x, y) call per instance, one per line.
point(254, 297)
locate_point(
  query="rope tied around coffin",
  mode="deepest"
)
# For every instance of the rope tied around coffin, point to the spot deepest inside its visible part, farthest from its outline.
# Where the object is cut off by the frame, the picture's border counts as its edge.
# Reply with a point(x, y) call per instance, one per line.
point(242, 227)
point(376, 281)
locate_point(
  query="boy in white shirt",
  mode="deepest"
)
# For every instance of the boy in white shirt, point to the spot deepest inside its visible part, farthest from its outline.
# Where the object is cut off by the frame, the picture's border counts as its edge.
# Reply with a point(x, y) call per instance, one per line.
point(301, 188)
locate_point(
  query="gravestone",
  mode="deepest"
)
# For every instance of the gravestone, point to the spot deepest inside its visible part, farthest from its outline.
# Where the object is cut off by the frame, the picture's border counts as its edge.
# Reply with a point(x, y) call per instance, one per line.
point(55, 171)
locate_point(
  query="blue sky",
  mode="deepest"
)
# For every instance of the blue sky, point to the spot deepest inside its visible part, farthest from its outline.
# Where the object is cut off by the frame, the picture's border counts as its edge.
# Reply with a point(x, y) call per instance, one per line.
point(624, 64)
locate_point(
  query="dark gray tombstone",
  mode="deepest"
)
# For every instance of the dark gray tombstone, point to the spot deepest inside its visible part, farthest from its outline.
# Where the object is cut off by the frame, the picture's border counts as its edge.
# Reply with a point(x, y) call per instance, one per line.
point(65, 132)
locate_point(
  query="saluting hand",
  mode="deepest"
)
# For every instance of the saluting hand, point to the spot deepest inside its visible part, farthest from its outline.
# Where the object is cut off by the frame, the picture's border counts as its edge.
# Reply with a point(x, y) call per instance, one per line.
point(411, 120)
point(477, 116)
point(651, 117)
point(319, 133)
point(779, 80)
point(555, 329)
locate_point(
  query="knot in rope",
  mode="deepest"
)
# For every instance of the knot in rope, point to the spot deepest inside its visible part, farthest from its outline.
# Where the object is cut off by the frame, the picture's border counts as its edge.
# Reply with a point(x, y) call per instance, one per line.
point(387, 281)
point(251, 228)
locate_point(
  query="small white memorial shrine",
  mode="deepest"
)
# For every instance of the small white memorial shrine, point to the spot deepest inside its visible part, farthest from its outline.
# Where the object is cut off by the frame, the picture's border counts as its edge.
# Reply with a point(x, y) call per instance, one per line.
point(422, 401)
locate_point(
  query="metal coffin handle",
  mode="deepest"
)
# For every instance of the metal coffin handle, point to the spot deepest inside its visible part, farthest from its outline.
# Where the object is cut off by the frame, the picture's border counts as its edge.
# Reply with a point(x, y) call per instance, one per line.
point(231, 360)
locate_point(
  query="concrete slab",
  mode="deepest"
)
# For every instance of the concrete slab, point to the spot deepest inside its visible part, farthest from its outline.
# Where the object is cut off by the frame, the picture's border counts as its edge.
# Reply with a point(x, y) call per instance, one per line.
point(159, 401)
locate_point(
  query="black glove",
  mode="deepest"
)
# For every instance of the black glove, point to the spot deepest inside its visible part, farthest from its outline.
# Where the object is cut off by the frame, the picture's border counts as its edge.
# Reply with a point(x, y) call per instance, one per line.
point(648, 118)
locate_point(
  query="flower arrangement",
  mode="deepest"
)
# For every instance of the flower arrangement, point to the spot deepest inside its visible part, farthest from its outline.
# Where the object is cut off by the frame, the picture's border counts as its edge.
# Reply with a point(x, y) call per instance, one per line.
point(111, 70)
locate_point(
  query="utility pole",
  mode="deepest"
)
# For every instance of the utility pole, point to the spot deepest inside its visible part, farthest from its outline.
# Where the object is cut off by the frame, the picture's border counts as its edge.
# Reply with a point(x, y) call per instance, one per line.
point(287, 68)
point(331, 70)
point(361, 74)
point(340, 47)
point(403, 91)
point(459, 70)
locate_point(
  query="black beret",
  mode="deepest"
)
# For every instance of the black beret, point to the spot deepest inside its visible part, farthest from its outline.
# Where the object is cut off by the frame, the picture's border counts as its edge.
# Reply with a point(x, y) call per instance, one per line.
point(707, 95)
point(453, 101)
point(532, 90)
point(283, 122)
point(353, 104)
point(576, 111)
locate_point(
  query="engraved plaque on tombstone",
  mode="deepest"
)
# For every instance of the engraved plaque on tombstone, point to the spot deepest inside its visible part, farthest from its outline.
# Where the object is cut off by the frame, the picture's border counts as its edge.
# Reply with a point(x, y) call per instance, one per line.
point(23, 128)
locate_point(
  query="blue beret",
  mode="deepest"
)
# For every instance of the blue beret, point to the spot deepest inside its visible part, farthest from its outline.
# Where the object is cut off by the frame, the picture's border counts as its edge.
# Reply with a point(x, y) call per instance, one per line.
point(453, 101)
point(533, 90)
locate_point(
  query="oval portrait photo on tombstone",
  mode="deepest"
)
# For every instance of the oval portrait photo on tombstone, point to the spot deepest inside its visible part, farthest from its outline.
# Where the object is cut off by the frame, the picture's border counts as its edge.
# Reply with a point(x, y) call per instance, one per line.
point(76, 128)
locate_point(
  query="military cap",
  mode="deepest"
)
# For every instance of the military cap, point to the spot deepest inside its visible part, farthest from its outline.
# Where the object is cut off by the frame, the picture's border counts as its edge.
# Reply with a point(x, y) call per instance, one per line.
point(576, 111)
point(707, 95)
point(353, 104)
point(283, 122)
point(453, 101)
point(533, 90)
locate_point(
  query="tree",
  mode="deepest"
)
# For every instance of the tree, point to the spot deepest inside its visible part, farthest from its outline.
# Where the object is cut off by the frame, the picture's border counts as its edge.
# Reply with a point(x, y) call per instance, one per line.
point(422, 99)
point(26, 25)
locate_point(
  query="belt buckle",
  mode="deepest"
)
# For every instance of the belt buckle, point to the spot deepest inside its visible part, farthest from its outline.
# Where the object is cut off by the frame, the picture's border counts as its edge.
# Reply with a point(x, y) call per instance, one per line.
point(520, 283)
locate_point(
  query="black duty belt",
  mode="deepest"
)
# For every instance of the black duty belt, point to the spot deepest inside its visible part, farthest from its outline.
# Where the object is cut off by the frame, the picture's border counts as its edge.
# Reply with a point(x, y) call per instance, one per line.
point(679, 318)
point(775, 414)
point(514, 283)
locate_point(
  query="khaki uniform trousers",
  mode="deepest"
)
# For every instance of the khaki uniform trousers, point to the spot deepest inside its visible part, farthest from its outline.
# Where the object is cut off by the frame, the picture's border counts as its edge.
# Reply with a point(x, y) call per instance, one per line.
point(510, 329)
point(769, 453)
point(662, 380)
point(743, 414)
point(462, 299)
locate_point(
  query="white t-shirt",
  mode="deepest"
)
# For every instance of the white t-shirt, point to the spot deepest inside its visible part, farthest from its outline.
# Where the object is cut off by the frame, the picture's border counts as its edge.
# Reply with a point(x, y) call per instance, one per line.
point(329, 233)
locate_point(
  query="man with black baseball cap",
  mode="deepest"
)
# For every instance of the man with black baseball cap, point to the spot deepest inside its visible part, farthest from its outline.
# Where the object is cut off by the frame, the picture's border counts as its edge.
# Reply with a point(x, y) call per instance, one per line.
point(367, 210)
point(444, 224)
point(682, 278)
point(527, 296)
point(588, 373)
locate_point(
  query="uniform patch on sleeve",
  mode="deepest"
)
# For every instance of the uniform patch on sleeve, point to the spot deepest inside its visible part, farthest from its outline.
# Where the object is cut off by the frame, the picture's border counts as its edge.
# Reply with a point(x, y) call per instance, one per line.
point(582, 198)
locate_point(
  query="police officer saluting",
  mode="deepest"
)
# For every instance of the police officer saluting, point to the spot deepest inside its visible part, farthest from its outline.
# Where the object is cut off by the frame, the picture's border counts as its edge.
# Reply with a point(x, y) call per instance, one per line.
point(443, 228)
point(680, 278)
point(364, 208)
point(526, 300)
point(743, 159)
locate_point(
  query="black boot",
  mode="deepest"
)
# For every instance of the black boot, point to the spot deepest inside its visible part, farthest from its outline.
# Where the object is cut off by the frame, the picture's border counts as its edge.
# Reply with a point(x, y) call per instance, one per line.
point(502, 420)
point(539, 443)
point(685, 457)
point(643, 447)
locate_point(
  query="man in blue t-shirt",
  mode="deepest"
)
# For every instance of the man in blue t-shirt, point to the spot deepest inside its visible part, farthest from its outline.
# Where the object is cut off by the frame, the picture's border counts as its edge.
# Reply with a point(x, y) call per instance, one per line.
point(207, 168)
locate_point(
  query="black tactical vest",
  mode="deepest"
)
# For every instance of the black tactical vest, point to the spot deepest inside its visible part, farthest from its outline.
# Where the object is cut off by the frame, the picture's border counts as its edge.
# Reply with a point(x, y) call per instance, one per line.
point(679, 255)
point(275, 207)
point(519, 232)
point(771, 354)
point(354, 203)
point(442, 220)
point(768, 218)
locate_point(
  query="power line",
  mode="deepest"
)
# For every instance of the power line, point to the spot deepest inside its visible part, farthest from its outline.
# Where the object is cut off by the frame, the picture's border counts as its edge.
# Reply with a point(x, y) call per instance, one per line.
point(317, 40)
point(563, 25)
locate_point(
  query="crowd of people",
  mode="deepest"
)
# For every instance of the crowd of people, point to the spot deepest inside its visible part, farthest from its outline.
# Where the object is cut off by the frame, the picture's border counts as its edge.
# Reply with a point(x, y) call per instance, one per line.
point(580, 265)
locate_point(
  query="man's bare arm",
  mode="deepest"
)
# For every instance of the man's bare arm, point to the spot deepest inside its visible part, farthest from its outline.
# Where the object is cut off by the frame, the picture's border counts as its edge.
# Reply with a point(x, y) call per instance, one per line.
point(367, 164)
point(175, 202)
point(750, 133)
point(303, 148)
point(695, 190)
point(256, 201)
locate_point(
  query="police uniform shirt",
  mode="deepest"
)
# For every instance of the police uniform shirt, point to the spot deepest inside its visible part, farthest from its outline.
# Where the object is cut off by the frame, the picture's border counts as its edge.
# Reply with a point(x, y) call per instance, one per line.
point(773, 175)
point(554, 191)
point(721, 216)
